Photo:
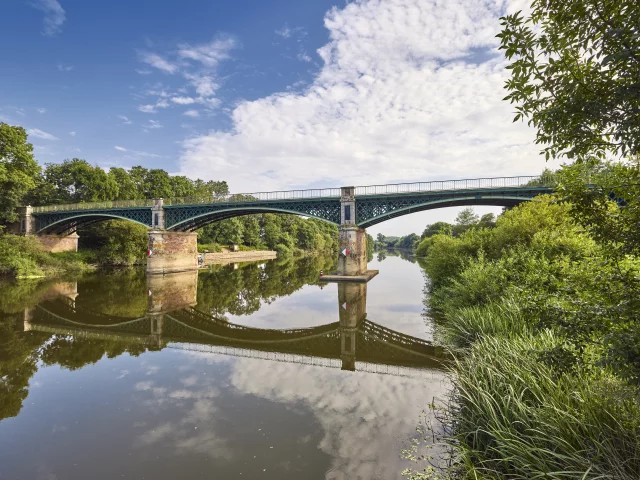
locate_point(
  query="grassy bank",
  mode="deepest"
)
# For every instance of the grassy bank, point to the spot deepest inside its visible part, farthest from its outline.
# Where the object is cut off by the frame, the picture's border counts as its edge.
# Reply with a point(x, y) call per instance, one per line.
point(22, 257)
point(543, 322)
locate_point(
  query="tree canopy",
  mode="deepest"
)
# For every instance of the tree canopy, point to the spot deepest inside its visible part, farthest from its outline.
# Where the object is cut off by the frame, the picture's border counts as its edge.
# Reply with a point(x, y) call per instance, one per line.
point(18, 170)
point(575, 75)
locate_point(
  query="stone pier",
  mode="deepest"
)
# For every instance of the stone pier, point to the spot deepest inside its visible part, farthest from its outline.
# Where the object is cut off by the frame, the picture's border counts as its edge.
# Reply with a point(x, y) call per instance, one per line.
point(58, 243)
point(171, 252)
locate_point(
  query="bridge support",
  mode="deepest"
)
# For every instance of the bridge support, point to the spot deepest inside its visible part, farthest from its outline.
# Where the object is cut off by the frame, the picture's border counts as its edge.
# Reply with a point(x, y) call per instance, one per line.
point(172, 252)
point(58, 243)
point(352, 307)
point(352, 257)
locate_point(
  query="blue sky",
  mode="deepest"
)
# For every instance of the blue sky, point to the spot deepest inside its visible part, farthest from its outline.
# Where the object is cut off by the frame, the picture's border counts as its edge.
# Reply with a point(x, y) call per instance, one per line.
point(268, 95)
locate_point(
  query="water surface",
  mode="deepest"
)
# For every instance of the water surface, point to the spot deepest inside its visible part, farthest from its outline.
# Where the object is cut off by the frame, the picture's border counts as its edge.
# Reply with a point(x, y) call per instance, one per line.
point(244, 371)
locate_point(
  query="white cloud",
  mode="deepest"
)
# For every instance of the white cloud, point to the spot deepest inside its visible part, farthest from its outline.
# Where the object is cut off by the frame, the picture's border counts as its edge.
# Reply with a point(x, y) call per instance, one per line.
point(144, 71)
point(192, 113)
point(65, 68)
point(125, 120)
point(183, 100)
point(287, 32)
point(73, 134)
point(41, 110)
point(197, 64)
point(205, 85)
point(153, 124)
point(36, 132)
point(304, 57)
point(147, 108)
point(158, 62)
point(137, 153)
point(284, 32)
point(209, 54)
point(410, 90)
point(54, 16)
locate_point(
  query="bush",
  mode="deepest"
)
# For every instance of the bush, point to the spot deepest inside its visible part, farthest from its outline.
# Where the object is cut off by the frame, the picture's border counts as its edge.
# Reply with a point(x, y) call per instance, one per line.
point(23, 257)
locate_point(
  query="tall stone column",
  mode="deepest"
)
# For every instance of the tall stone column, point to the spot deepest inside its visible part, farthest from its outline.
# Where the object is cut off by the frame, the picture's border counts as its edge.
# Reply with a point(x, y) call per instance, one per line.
point(171, 252)
point(157, 214)
point(27, 220)
point(352, 306)
point(352, 257)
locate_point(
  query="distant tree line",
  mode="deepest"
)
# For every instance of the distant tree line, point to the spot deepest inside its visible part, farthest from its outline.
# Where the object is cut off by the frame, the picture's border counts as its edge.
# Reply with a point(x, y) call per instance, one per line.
point(466, 220)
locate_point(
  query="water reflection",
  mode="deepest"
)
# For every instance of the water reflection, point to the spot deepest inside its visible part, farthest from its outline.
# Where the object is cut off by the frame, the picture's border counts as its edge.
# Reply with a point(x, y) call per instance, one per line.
point(173, 376)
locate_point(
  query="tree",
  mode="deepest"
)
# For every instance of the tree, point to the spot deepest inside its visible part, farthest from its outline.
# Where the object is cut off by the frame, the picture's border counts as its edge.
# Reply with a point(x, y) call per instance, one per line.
point(465, 220)
point(74, 181)
point(488, 220)
point(380, 237)
point(127, 188)
point(157, 184)
point(435, 228)
point(182, 186)
point(574, 75)
point(251, 230)
point(18, 170)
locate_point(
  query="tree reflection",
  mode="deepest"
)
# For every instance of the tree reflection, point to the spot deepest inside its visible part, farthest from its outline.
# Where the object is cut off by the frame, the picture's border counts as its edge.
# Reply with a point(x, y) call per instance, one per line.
point(123, 293)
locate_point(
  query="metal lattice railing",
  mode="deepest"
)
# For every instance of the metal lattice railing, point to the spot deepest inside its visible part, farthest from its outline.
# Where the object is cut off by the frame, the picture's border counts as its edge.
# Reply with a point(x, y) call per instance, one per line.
point(94, 205)
point(257, 197)
point(545, 180)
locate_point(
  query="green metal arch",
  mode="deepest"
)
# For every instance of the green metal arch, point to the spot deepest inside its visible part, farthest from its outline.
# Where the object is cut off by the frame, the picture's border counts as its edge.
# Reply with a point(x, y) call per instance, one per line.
point(243, 211)
point(499, 201)
point(100, 216)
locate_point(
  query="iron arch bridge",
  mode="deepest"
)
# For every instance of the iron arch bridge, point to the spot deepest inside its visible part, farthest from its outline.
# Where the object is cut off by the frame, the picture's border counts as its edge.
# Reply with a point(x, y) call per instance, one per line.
point(371, 204)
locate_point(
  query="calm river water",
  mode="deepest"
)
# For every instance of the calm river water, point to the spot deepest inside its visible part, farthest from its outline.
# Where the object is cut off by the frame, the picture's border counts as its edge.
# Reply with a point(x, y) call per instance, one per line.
point(241, 371)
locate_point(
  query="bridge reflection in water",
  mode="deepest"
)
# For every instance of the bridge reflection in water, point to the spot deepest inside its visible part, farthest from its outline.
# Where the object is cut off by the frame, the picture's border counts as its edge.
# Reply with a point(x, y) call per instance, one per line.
point(351, 343)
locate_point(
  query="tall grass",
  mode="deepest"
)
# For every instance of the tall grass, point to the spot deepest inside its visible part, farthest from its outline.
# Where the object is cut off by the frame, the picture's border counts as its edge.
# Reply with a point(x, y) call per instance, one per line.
point(515, 417)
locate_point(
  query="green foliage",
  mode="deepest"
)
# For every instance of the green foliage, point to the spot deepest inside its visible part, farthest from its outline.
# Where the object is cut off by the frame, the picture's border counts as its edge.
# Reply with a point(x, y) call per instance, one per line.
point(465, 220)
point(516, 417)
point(74, 181)
point(22, 257)
point(542, 316)
point(595, 192)
point(575, 75)
point(435, 228)
point(283, 233)
point(116, 242)
point(18, 170)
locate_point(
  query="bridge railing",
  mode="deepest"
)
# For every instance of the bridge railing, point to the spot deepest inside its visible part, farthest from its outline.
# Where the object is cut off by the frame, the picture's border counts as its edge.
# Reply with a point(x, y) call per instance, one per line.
point(257, 197)
point(544, 180)
point(94, 205)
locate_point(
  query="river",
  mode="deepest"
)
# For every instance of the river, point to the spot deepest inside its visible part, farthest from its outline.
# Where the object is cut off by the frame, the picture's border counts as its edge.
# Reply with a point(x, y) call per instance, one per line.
point(248, 371)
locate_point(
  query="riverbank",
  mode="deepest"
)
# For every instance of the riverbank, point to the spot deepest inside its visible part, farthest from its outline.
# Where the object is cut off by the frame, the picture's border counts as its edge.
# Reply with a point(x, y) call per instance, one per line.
point(235, 257)
point(22, 257)
point(542, 320)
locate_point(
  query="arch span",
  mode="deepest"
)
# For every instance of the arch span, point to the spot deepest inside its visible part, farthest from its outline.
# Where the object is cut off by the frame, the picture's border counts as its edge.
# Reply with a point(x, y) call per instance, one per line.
point(388, 211)
point(67, 224)
point(202, 219)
